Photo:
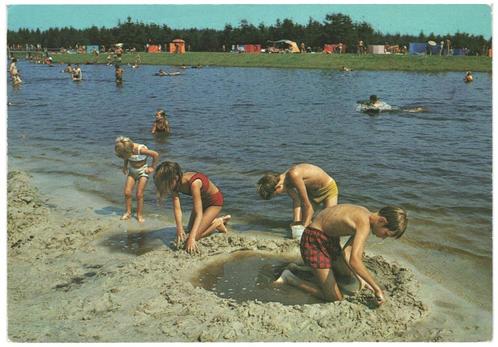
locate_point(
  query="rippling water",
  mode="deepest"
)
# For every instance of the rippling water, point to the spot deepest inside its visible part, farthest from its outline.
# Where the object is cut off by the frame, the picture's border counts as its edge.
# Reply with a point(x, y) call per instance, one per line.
point(234, 124)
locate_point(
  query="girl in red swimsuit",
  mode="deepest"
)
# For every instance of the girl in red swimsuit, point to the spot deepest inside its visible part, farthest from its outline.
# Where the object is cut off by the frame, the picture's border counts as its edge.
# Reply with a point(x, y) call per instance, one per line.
point(207, 199)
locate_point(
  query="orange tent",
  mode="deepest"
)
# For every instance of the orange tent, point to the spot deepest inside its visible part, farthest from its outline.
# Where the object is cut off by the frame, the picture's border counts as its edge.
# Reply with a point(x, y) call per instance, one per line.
point(153, 49)
point(177, 46)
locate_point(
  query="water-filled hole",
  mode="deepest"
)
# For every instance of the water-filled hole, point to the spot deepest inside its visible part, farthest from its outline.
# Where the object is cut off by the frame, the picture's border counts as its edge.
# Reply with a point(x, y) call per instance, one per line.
point(248, 275)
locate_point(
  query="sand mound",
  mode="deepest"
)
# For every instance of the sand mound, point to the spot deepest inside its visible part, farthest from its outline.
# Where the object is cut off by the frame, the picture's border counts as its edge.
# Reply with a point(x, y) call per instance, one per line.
point(65, 285)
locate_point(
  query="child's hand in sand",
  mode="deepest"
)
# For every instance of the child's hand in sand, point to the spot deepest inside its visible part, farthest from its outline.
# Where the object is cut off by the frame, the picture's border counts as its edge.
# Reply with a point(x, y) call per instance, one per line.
point(180, 237)
point(191, 246)
point(379, 297)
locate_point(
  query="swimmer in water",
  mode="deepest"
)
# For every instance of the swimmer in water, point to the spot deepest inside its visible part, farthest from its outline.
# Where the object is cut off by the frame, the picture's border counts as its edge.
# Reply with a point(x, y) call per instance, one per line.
point(468, 77)
point(374, 106)
point(77, 74)
point(118, 73)
point(68, 69)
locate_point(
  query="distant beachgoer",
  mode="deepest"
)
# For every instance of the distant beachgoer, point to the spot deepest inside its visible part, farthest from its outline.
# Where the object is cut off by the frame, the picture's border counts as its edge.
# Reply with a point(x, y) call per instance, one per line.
point(137, 170)
point(468, 77)
point(323, 255)
point(304, 183)
point(14, 73)
point(162, 73)
point(207, 200)
point(441, 47)
point(347, 69)
point(161, 124)
point(118, 73)
point(109, 59)
point(77, 74)
point(360, 47)
point(68, 68)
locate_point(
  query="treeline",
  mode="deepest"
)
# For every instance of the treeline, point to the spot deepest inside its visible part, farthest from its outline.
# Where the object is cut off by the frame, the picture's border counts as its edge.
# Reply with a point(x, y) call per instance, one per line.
point(334, 28)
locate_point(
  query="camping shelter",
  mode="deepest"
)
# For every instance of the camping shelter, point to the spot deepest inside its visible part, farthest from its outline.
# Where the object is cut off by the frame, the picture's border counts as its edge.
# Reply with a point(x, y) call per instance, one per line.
point(252, 48)
point(153, 48)
point(417, 48)
point(92, 48)
point(334, 48)
point(289, 45)
point(177, 46)
point(376, 49)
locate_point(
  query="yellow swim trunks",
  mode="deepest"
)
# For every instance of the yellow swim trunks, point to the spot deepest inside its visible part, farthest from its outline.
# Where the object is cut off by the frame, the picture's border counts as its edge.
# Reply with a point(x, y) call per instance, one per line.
point(329, 191)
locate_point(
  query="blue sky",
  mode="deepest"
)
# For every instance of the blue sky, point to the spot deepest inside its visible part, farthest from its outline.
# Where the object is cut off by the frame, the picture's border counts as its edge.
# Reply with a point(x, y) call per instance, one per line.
point(387, 18)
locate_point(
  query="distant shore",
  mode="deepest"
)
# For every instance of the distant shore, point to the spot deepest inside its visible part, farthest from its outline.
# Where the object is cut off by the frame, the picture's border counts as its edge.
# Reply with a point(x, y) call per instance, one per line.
point(368, 62)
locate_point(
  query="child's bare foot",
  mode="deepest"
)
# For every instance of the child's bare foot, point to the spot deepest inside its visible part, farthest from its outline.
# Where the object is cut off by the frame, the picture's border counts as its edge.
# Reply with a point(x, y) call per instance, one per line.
point(140, 219)
point(284, 277)
point(222, 221)
point(126, 216)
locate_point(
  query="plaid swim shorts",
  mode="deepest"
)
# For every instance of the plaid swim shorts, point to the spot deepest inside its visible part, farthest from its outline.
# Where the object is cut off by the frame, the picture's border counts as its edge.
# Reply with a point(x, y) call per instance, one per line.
point(319, 250)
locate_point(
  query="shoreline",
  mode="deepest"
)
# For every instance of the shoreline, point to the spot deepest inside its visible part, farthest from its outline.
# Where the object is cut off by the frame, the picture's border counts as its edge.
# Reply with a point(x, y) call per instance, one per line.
point(367, 62)
point(67, 284)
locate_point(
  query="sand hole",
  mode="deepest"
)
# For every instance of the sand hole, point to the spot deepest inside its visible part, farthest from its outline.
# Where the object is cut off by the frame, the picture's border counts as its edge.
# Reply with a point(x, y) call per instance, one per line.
point(248, 275)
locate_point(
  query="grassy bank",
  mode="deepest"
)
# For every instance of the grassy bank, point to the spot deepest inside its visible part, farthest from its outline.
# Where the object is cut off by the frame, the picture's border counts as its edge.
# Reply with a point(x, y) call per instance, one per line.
point(300, 61)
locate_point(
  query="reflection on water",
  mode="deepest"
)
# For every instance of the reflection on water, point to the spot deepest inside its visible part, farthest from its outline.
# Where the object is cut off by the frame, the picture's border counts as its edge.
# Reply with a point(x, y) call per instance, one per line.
point(249, 275)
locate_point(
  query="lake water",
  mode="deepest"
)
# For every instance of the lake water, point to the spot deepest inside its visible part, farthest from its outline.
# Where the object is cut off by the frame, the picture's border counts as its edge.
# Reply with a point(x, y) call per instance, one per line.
point(235, 123)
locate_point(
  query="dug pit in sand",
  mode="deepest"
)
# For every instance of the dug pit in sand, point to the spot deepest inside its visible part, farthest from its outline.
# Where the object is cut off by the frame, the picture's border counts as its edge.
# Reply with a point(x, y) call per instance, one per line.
point(66, 285)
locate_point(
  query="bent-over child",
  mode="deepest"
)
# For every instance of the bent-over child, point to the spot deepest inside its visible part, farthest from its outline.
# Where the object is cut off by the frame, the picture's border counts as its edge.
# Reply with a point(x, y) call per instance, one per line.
point(136, 169)
point(322, 252)
point(207, 199)
point(304, 183)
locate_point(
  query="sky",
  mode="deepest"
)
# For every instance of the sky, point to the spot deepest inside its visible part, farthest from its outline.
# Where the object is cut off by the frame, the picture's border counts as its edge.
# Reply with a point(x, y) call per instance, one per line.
point(387, 18)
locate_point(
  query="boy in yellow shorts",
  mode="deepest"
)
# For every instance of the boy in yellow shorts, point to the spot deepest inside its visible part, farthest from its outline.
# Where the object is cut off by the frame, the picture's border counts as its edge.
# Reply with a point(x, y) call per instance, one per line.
point(305, 183)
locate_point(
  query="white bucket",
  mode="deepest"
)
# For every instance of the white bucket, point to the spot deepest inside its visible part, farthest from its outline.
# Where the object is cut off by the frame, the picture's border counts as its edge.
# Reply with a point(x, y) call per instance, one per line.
point(297, 231)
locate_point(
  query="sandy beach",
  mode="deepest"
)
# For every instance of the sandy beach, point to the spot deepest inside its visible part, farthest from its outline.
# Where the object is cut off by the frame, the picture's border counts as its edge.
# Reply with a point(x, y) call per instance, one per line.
point(65, 284)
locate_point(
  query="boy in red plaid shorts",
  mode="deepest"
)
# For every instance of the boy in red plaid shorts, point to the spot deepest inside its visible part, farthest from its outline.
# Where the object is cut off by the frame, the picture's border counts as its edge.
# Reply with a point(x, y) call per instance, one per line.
point(322, 252)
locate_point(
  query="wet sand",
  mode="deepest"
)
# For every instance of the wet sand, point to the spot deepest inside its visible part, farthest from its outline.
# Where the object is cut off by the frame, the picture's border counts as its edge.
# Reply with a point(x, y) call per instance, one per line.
point(74, 278)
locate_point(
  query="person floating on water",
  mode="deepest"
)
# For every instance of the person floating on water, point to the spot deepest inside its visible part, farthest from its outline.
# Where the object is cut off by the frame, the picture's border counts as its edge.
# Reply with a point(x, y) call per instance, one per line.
point(161, 124)
point(118, 73)
point(374, 106)
point(164, 73)
point(304, 183)
point(323, 256)
point(207, 200)
point(136, 170)
point(77, 74)
point(346, 69)
point(468, 77)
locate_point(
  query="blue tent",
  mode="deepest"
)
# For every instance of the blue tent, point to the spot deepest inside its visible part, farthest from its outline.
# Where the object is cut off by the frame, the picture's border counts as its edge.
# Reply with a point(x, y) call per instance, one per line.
point(458, 51)
point(91, 48)
point(417, 48)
